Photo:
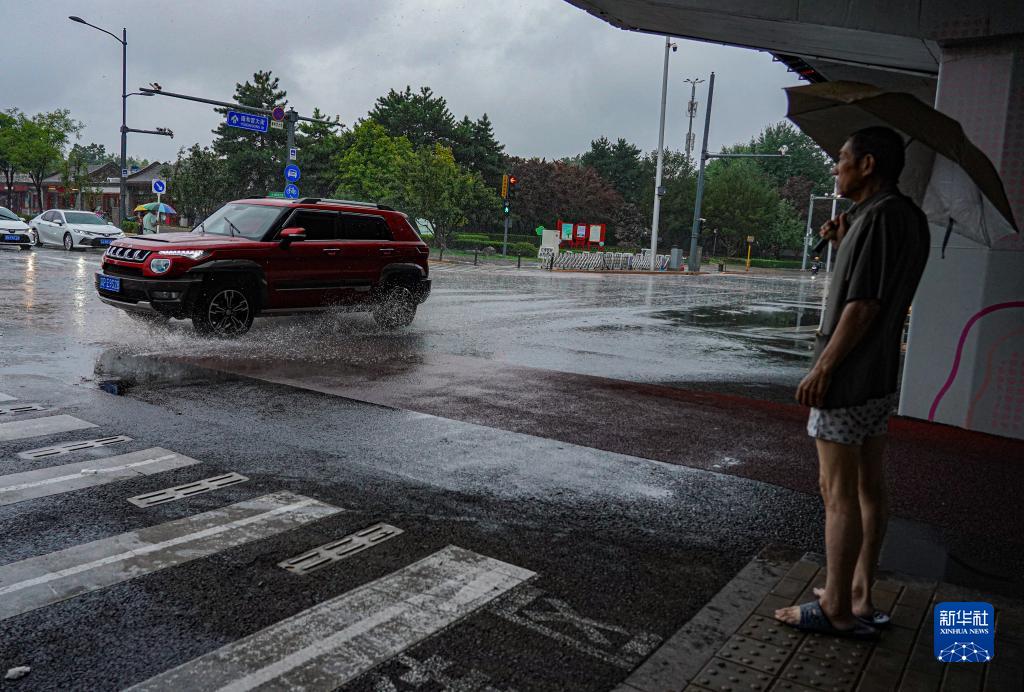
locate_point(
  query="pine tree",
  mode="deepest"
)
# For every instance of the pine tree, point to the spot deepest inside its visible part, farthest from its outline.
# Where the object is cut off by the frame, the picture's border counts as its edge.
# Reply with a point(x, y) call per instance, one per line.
point(255, 160)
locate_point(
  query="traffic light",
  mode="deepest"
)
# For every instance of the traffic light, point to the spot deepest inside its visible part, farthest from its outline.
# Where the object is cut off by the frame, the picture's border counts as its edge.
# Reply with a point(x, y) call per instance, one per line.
point(506, 208)
point(513, 184)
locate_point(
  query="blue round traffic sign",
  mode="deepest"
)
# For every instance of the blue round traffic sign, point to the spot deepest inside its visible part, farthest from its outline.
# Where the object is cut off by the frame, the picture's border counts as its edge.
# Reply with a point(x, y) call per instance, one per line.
point(159, 186)
point(292, 173)
point(291, 191)
point(278, 113)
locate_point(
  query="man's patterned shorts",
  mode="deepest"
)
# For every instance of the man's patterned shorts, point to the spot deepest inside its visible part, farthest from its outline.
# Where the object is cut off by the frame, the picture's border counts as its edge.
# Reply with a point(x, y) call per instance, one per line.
point(852, 425)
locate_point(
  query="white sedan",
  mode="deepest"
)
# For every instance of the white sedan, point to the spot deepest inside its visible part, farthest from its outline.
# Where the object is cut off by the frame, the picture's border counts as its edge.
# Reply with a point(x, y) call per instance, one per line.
point(14, 231)
point(72, 229)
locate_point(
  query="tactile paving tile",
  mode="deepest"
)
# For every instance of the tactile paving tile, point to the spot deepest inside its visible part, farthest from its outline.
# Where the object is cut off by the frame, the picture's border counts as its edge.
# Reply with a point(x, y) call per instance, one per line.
point(722, 675)
point(820, 674)
point(790, 686)
point(843, 651)
point(770, 631)
point(754, 654)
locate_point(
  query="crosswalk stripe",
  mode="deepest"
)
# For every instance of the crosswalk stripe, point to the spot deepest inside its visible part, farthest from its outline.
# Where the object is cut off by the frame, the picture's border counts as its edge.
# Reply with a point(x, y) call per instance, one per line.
point(52, 480)
point(6, 397)
point(333, 642)
point(36, 427)
point(45, 579)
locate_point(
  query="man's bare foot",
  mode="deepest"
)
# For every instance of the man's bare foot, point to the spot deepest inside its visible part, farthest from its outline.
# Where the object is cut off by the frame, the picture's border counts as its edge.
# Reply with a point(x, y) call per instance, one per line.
point(862, 609)
point(791, 616)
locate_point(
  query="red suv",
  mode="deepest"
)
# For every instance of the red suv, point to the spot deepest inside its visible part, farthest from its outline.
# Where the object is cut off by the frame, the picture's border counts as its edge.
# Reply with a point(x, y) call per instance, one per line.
point(272, 257)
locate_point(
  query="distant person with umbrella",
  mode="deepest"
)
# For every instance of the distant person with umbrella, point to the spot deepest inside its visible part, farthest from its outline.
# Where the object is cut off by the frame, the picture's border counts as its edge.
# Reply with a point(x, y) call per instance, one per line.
point(882, 246)
point(156, 212)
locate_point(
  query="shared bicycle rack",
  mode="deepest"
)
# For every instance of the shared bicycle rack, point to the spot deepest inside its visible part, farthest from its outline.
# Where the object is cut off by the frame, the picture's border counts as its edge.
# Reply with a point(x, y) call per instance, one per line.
point(604, 261)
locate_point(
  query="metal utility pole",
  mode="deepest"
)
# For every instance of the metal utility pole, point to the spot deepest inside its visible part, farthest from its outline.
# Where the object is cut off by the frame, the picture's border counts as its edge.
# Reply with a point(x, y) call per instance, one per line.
point(124, 113)
point(691, 262)
point(290, 117)
point(691, 111)
point(658, 189)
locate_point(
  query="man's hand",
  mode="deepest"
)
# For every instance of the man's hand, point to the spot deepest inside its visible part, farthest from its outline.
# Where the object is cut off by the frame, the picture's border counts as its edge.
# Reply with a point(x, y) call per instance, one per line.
point(811, 391)
point(834, 229)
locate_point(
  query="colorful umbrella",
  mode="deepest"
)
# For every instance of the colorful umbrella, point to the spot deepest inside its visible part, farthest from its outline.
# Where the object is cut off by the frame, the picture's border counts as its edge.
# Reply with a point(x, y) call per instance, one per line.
point(156, 207)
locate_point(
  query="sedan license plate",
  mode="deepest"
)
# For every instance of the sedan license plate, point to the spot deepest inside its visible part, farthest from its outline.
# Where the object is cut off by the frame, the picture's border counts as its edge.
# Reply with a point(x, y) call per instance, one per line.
point(110, 283)
point(12, 238)
point(105, 241)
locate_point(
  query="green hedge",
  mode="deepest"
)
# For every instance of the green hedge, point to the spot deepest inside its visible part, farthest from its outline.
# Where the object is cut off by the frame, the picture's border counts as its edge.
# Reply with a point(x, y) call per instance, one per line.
point(130, 226)
point(761, 263)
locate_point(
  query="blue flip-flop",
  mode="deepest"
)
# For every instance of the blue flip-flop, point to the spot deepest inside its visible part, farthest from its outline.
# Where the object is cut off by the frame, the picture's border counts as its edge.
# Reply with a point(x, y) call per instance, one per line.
point(813, 619)
point(879, 618)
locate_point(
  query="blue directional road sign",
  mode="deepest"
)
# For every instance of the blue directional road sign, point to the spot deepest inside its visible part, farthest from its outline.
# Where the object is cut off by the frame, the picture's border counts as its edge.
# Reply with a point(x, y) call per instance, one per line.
point(291, 191)
point(248, 121)
point(159, 186)
point(292, 173)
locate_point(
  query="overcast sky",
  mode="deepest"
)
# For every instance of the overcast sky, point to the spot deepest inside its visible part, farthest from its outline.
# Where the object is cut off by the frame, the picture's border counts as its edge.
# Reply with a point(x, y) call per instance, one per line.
point(550, 76)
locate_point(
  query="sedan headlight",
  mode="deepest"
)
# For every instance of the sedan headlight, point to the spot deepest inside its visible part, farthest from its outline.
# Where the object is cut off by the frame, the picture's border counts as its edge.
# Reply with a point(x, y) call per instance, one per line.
point(159, 266)
point(190, 254)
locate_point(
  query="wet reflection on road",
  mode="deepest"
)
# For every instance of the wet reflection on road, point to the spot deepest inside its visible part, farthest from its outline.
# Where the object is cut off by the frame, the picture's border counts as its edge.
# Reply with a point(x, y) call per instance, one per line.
point(664, 329)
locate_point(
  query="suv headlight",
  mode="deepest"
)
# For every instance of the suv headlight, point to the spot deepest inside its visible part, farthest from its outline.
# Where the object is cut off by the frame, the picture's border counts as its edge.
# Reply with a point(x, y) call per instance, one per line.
point(191, 254)
point(158, 265)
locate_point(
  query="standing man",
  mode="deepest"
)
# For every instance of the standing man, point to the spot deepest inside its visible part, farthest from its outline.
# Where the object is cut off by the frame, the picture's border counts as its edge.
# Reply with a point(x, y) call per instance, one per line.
point(882, 244)
point(149, 222)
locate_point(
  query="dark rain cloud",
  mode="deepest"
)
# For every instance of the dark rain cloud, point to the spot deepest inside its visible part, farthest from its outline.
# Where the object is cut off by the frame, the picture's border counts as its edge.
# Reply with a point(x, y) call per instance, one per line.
point(550, 76)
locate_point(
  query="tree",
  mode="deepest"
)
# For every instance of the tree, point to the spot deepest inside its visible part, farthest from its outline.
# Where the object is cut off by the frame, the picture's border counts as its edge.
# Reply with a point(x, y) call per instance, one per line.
point(9, 133)
point(477, 149)
point(201, 182)
point(74, 178)
point(420, 117)
point(254, 160)
point(319, 144)
point(552, 190)
point(372, 165)
point(39, 147)
point(739, 201)
point(620, 164)
point(443, 193)
point(804, 159)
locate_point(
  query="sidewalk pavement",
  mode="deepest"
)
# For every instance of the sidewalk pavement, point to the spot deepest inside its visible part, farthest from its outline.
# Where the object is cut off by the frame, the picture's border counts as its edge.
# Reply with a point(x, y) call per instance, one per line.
point(734, 643)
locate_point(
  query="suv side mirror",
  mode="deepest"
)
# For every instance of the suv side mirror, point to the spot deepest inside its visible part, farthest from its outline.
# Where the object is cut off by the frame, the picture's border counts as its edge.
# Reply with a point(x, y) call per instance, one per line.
point(291, 235)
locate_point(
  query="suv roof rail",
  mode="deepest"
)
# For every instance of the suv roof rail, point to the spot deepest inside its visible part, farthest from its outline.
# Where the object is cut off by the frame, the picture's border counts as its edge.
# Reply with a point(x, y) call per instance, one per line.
point(352, 202)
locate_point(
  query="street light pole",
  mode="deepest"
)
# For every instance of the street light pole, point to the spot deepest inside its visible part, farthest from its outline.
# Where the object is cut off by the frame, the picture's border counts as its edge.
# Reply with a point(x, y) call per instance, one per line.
point(124, 108)
point(658, 191)
point(124, 125)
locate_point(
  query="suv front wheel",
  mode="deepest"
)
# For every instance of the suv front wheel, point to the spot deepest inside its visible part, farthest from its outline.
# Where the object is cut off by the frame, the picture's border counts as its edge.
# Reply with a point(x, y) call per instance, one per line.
point(396, 308)
point(224, 310)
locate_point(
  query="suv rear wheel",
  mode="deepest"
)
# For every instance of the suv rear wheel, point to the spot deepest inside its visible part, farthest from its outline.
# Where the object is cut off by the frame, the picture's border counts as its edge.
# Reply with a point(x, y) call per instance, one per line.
point(224, 310)
point(396, 308)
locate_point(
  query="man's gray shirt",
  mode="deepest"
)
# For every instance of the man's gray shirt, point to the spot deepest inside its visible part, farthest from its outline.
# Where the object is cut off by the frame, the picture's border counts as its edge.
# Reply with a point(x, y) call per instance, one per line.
point(881, 257)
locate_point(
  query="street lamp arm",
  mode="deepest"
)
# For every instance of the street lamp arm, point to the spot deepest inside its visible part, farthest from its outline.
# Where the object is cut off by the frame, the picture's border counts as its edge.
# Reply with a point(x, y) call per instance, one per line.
point(82, 21)
point(165, 132)
point(146, 91)
point(744, 156)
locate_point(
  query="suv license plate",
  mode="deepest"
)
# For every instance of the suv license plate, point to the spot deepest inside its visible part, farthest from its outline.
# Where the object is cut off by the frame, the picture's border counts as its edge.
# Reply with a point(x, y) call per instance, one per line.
point(110, 283)
point(12, 238)
point(105, 241)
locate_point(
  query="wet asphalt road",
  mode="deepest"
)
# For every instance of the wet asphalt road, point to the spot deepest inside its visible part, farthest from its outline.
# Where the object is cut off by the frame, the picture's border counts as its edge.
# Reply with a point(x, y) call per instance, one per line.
point(420, 430)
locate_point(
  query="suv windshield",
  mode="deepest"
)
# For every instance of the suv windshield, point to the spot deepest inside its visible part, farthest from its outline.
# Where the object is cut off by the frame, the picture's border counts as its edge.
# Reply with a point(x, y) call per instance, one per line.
point(84, 218)
point(9, 215)
point(251, 221)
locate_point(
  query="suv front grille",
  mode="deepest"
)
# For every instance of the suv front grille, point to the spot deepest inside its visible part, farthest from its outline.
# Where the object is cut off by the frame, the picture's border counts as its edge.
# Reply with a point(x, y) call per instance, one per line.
point(118, 270)
point(127, 254)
